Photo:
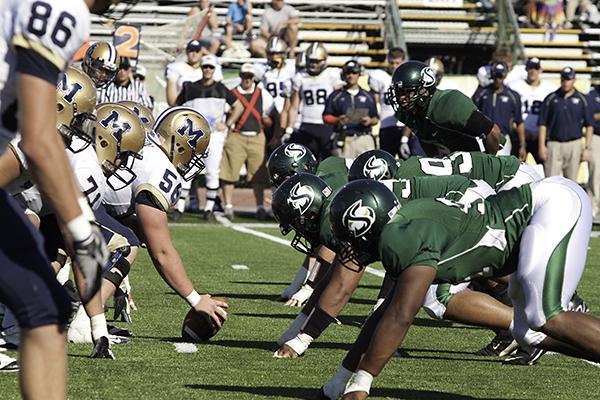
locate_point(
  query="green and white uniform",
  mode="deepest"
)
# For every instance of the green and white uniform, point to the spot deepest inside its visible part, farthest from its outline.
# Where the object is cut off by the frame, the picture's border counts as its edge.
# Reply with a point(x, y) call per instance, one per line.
point(540, 231)
point(445, 124)
point(500, 172)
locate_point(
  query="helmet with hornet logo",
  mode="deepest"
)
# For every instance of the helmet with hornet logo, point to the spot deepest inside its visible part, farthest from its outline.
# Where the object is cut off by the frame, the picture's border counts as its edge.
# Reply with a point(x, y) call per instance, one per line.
point(297, 205)
point(413, 84)
point(357, 214)
point(119, 140)
point(183, 134)
point(374, 164)
point(290, 159)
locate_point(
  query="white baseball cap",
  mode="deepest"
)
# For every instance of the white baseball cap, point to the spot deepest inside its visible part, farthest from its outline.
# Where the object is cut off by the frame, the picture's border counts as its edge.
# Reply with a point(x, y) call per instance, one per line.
point(209, 59)
point(248, 68)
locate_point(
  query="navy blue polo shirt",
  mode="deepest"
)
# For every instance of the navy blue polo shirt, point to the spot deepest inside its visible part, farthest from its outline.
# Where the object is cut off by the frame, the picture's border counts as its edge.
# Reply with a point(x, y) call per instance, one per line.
point(594, 103)
point(565, 118)
point(504, 108)
point(341, 102)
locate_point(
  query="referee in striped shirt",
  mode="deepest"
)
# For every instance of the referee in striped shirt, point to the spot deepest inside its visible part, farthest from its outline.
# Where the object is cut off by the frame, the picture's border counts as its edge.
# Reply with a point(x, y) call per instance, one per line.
point(124, 87)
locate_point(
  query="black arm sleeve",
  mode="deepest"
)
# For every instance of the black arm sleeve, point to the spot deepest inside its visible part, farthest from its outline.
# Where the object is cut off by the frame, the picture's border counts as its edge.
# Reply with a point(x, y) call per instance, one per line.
point(31, 63)
point(146, 198)
point(478, 125)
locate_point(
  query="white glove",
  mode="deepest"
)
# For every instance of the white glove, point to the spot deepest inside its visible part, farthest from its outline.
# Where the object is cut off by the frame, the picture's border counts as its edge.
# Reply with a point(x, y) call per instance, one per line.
point(300, 297)
point(404, 148)
point(287, 135)
point(91, 255)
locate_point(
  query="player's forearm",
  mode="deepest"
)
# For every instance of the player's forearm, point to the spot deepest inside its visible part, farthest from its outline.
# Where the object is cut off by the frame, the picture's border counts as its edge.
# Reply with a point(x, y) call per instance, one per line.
point(167, 262)
point(10, 168)
point(338, 292)
point(171, 93)
point(589, 131)
point(521, 135)
point(542, 136)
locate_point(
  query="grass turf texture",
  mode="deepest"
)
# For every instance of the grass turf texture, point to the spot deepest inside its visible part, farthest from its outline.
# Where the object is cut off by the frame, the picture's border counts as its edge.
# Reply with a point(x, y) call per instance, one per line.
point(238, 364)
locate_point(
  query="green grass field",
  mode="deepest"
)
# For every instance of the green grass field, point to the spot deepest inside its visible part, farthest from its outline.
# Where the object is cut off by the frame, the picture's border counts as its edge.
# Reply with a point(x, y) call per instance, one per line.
point(238, 364)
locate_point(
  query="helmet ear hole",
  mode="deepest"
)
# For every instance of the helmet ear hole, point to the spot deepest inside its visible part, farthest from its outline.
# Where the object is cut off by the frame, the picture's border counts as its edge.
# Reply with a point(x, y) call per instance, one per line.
point(103, 143)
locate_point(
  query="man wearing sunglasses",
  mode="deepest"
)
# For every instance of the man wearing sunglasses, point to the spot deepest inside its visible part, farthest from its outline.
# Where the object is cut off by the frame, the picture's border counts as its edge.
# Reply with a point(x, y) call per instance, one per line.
point(352, 111)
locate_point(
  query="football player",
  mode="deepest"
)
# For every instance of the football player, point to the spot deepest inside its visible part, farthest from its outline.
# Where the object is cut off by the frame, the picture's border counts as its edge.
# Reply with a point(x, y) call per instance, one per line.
point(309, 94)
point(277, 79)
point(174, 153)
point(444, 241)
point(377, 164)
point(38, 40)
point(443, 120)
point(101, 63)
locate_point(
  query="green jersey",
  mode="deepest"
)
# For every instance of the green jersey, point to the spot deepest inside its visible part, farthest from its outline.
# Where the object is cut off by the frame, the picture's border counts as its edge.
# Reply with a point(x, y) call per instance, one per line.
point(405, 190)
point(494, 170)
point(334, 171)
point(445, 123)
point(459, 241)
point(428, 187)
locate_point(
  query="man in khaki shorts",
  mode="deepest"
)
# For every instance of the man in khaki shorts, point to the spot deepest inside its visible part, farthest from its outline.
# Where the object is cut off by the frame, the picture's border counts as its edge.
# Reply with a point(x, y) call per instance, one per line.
point(245, 143)
point(563, 116)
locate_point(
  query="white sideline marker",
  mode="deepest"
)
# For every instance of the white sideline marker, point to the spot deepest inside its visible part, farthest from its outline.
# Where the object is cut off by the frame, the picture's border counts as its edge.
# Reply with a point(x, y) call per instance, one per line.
point(239, 267)
point(185, 347)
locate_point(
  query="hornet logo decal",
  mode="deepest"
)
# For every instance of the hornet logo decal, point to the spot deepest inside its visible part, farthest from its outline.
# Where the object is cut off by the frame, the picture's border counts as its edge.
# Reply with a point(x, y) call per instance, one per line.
point(428, 77)
point(376, 168)
point(358, 219)
point(294, 151)
point(301, 197)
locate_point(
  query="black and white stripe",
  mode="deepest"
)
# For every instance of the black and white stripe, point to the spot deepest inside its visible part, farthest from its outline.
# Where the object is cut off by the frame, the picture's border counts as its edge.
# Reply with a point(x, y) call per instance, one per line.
point(134, 91)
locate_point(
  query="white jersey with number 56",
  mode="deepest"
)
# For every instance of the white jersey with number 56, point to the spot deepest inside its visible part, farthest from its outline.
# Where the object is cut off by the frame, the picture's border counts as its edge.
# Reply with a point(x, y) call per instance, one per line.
point(154, 174)
point(52, 29)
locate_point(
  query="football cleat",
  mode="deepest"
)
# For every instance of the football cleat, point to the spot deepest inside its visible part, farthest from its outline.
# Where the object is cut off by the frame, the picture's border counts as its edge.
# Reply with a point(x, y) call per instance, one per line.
point(577, 304)
point(525, 355)
point(8, 364)
point(102, 349)
point(121, 306)
point(501, 345)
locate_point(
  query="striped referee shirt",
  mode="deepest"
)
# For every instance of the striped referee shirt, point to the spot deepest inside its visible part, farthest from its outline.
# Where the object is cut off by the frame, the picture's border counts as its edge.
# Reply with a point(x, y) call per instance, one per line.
point(134, 90)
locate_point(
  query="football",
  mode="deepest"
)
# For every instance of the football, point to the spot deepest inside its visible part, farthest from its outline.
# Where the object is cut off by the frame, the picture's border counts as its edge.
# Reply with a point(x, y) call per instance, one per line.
point(199, 327)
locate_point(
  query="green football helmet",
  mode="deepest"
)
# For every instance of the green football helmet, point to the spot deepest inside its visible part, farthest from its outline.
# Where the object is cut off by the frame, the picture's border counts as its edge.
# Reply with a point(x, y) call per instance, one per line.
point(357, 215)
point(297, 205)
point(288, 160)
point(413, 84)
point(374, 164)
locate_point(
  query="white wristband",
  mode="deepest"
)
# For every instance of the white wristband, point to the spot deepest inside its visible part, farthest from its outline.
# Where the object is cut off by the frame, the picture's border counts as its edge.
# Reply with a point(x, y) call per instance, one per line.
point(289, 130)
point(86, 211)
point(361, 382)
point(193, 298)
point(404, 139)
point(79, 228)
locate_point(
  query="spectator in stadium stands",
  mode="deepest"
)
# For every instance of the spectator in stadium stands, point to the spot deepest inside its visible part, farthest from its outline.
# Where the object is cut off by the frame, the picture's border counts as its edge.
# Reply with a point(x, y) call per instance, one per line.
point(564, 115)
point(278, 20)
point(594, 159)
point(213, 100)
point(179, 72)
point(124, 87)
point(352, 111)
point(573, 18)
point(503, 106)
point(207, 32)
point(533, 90)
point(238, 20)
point(245, 142)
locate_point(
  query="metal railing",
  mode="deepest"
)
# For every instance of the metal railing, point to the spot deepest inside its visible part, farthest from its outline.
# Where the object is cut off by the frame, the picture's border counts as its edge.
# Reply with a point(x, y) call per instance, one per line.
point(507, 34)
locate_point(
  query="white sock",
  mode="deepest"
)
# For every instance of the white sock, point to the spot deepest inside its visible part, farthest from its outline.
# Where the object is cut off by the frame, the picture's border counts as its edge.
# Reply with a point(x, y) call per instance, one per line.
point(99, 327)
point(293, 330)
point(181, 205)
point(209, 205)
point(296, 283)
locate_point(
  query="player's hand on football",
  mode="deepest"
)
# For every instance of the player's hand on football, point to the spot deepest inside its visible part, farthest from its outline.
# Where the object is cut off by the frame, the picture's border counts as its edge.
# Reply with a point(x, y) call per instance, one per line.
point(300, 297)
point(285, 351)
point(355, 396)
point(90, 256)
point(215, 309)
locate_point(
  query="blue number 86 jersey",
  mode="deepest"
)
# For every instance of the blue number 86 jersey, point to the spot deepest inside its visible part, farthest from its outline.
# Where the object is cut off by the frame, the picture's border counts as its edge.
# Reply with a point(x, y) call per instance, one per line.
point(51, 30)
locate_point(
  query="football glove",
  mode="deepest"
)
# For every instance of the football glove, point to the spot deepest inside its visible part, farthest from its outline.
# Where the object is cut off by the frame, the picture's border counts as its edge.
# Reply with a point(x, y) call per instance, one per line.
point(91, 255)
point(404, 148)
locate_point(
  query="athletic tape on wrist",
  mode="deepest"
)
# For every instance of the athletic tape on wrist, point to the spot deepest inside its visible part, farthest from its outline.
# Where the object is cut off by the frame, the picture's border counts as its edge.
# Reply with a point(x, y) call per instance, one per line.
point(300, 343)
point(193, 298)
point(361, 382)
